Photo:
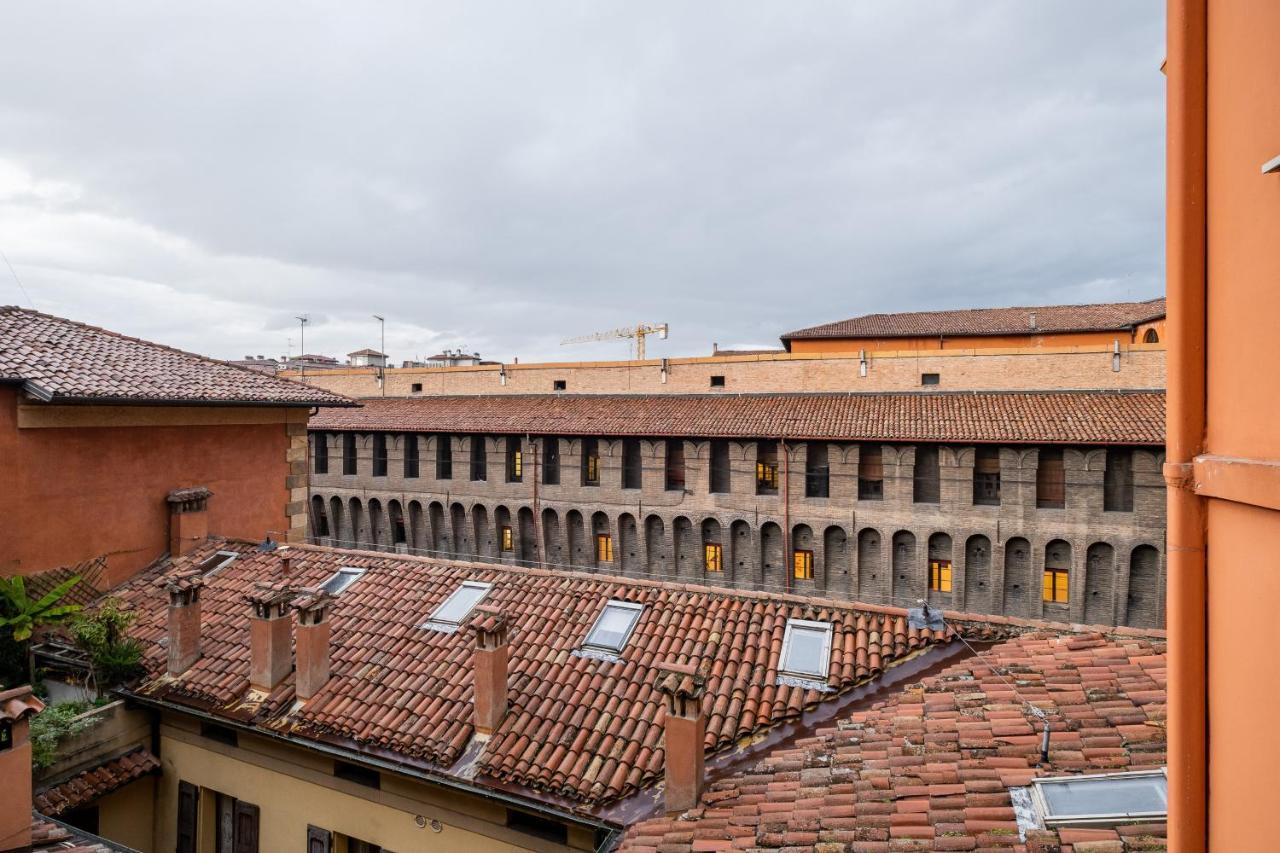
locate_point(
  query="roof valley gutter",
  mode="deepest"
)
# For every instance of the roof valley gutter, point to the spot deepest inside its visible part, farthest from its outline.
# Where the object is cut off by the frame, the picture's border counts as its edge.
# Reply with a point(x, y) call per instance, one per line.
point(525, 804)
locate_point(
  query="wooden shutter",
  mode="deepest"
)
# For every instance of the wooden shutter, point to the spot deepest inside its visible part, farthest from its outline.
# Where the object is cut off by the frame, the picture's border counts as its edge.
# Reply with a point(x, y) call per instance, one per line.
point(871, 462)
point(246, 828)
point(987, 461)
point(1051, 479)
point(188, 805)
point(319, 840)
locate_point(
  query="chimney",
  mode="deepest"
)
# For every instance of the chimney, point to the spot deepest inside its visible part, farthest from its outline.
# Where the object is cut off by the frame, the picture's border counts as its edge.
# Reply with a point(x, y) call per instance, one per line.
point(489, 665)
point(184, 620)
point(1033, 319)
point(188, 518)
point(16, 707)
point(312, 642)
point(684, 734)
point(270, 652)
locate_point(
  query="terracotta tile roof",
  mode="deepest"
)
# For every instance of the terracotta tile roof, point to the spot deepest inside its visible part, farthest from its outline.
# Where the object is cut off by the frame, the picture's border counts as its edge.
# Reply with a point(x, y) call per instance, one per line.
point(934, 764)
point(1105, 317)
point(88, 785)
point(18, 702)
point(92, 573)
point(60, 360)
point(49, 836)
point(578, 728)
point(1067, 417)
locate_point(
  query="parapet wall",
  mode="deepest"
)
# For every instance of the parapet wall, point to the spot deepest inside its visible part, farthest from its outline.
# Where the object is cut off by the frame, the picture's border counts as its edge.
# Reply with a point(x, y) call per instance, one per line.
point(1136, 366)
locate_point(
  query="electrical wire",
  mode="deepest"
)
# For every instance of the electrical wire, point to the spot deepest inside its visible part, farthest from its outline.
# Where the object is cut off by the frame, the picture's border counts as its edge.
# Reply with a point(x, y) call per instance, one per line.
point(14, 273)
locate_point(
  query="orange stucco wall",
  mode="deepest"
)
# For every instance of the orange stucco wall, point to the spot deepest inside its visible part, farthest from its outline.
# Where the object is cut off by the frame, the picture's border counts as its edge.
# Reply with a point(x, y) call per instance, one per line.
point(1243, 414)
point(1057, 339)
point(74, 492)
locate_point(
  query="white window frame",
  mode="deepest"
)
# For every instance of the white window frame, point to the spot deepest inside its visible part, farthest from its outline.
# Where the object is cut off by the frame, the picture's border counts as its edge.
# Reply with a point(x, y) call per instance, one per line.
point(229, 557)
point(1104, 819)
point(806, 625)
point(587, 645)
point(449, 626)
point(355, 572)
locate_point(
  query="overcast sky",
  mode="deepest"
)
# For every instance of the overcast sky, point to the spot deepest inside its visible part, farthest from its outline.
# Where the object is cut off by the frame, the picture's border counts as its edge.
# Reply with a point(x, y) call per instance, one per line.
point(498, 176)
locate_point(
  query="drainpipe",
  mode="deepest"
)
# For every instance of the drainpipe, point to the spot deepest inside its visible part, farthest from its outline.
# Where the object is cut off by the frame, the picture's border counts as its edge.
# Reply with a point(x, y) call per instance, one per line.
point(789, 564)
point(1186, 615)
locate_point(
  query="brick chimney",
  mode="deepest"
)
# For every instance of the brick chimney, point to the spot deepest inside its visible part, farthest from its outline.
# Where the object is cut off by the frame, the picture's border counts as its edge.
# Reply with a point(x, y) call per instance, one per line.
point(684, 734)
point(188, 518)
point(312, 641)
point(489, 665)
point(184, 619)
point(270, 635)
point(17, 706)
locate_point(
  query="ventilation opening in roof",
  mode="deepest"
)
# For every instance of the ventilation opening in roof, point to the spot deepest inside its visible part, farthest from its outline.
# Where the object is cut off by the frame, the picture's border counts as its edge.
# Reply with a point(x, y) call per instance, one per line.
point(342, 579)
point(1105, 799)
point(609, 635)
point(806, 654)
point(450, 614)
point(215, 563)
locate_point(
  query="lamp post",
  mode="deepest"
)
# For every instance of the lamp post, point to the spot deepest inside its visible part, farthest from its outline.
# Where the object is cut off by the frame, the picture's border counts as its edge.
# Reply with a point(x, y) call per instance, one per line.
point(382, 348)
point(302, 347)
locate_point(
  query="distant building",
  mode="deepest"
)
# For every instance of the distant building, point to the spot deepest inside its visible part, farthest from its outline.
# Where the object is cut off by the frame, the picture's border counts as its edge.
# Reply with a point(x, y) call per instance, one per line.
point(260, 363)
point(311, 362)
point(452, 358)
point(367, 358)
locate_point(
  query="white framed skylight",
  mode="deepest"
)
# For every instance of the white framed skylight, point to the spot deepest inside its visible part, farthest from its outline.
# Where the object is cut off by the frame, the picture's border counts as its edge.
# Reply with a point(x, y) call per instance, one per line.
point(454, 609)
point(613, 627)
point(1102, 799)
point(216, 562)
point(342, 578)
point(806, 653)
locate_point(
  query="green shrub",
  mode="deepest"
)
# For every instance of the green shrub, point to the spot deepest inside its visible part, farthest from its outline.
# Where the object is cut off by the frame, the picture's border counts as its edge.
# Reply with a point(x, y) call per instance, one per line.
point(54, 724)
point(103, 634)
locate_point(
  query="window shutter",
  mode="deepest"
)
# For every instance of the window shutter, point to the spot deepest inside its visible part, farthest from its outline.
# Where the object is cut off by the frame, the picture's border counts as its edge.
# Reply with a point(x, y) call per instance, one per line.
point(871, 462)
point(246, 828)
point(188, 803)
point(1051, 479)
point(319, 840)
point(987, 461)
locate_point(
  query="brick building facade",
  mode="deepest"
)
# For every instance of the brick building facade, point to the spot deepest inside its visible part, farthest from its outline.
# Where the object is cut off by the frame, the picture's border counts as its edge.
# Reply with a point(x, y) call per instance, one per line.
point(979, 517)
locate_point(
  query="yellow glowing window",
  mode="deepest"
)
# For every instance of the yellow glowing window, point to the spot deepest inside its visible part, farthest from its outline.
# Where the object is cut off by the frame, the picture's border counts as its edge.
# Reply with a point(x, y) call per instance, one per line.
point(1056, 586)
point(604, 548)
point(802, 561)
point(767, 475)
point(507, 540)
point(593, 469)
point(940, 575)
point(517, 464)
point(712, 557)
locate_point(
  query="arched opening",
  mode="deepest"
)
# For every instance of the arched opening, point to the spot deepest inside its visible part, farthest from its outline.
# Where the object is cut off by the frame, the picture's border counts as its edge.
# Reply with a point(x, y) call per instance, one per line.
point(941, 576)
point(772, 561)
point(1018, 591)
point(462, 544)
point(655, 546)
point(1099, 584)
point(504, 535)
point(686, 548)
point(908, 580)
point(1151, 337)
point(713, 565)
point(552, 539)
point(337, 523)
point(359, 534)
point(1056, 584)
point(575, 528)
point(482, 535)
point(440, 539)
point(871, 575)
point(977, 574)
point(527, 540)
point(377, 524)
point(604, 555)
point(417, 526)
point(319, 518)
point(628, 544)
point(741, 561)
point(399, 533)
point(1142, 604)
point(802, 557)
point(835, 560)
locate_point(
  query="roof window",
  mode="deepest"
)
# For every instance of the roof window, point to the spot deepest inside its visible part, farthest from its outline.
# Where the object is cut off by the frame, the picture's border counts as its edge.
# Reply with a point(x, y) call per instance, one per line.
point(216, 562)
point(613, 628)
point(806, 654)
point(342, 579)
point(449, 615)
point(1104, 799)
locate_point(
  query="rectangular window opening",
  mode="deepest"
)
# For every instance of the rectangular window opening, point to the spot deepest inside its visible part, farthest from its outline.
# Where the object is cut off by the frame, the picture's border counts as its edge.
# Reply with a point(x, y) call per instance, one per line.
point(348, 453)
point(320, 451)
point(766, 468)
point(614, 626)
point(675, 465)
point(216, 562)
point(479, 460)
point(1117, 484)
point(632, 468)
point(1103, 799)
point(410, 456)
point(802, 563)
point(551, 461)
point(720, 467)
point(806, 650)
point(1051, 480)
point(379, 454)
point(444, 457)
point(717, 381)
point(508, 539)
point(341, 579)
point(559, 385)
point(454, 609)
point(925, 481)
point(590, 462)
point(930, 379)
point(986, 476)
point(817, 474)
point(940, 575)
point(515, 460)
point(604, 548)
point(416, 388)
point(713, 557)
point(1057, 586)
point(870, 473)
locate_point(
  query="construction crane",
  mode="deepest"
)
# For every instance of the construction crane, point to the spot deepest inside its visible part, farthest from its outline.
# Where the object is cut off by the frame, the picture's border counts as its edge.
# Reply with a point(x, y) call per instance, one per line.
point(638, 332)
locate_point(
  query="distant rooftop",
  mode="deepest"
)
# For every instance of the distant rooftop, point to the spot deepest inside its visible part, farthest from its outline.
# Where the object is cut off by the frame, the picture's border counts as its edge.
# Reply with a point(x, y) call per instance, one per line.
point(1023, 320)
point(62, 361)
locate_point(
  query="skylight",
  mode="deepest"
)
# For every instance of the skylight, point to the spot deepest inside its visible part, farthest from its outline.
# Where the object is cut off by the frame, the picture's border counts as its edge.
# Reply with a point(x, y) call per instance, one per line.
point(613, 627)
point(342, 579)
point(216, 562)
point(1107, 799)
point(806, 651)
point(450, 614)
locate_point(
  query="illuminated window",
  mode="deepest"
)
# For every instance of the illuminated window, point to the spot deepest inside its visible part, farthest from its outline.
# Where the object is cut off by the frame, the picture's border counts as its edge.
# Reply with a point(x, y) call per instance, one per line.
point(767, 468)
point(802, 562)
point(590, 462)
point(1056, 586)
point(940, 575)
point(604, 548)
point(515, 461)
point(614, 627)
point(713, 557)
point(449, 615)
point(508, 543)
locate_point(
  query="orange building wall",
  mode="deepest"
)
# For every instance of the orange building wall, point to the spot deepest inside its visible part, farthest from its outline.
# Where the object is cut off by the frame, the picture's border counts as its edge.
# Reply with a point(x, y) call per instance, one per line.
point(1243, 420)
point(71, 493)
point(1056, 339)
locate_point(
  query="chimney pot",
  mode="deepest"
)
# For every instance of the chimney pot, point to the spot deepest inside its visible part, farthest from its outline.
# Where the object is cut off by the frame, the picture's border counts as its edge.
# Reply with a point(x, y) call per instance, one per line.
point(17, 706)
point(188, 518)
point(270, 655)
point(184, 619)
point(489, 665)
point(313, 642)
point(684, 734)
